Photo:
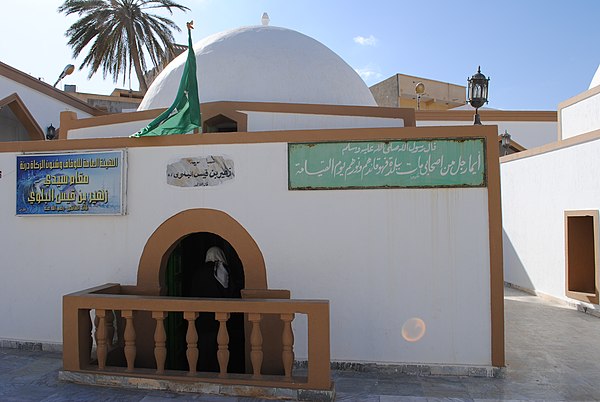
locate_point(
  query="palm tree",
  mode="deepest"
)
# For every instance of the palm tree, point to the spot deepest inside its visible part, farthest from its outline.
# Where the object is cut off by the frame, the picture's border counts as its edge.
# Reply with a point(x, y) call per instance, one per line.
point(120, 31)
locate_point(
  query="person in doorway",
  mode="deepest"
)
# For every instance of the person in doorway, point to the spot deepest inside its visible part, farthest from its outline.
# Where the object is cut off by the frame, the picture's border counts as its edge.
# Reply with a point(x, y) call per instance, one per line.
point(212, 280)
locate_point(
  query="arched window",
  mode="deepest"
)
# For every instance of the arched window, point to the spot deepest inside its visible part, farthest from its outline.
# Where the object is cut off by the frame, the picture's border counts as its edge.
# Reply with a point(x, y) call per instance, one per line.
point(220, 124)
point(16, 122)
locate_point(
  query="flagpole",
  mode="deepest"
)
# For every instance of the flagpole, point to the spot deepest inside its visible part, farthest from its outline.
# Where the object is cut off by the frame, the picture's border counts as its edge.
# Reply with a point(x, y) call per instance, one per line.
point(183, 116)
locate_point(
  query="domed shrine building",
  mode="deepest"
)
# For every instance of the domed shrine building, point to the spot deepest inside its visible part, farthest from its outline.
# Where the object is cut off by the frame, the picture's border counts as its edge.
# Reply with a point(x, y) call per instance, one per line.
point(347, 235)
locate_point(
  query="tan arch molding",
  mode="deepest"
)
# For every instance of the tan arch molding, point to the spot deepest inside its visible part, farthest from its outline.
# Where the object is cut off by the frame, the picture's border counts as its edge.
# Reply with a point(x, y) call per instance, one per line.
point(18, 108)
point(154, 257)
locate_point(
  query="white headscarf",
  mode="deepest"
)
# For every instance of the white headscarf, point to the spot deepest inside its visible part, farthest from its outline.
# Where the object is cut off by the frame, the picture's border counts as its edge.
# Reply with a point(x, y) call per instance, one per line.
point(216, 255)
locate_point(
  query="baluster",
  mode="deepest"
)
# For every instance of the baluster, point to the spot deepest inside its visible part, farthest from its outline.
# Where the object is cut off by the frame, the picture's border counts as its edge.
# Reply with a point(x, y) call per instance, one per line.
point(130, 349)
point(101, 347)
point(287, 340)
point(256, 355)
point(160, 337)
point(191, 338)
point(95, 331)
point(110, 328)
point(223, 342)
point(89, 329)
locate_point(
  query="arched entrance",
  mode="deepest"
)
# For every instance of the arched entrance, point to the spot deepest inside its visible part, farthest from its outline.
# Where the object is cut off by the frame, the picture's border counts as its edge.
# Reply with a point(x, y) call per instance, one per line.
point(151, 277)
point(154, 259)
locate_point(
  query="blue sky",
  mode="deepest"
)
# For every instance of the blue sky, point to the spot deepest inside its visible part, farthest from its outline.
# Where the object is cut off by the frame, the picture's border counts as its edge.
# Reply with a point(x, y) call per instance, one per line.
point(537, 53)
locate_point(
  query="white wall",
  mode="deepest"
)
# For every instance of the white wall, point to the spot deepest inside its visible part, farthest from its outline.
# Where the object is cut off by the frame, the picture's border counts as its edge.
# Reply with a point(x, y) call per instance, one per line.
point(265, 121)
point(108, 130)
point(380, 256)
point(527, 133)
point(535, 193)
point(45, 109)
point(581, 117)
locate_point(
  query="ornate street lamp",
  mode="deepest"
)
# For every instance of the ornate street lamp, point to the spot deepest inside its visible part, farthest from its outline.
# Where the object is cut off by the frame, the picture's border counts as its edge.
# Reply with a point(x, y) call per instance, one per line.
point(478, 92)
point(69, 68)
point(505, 142)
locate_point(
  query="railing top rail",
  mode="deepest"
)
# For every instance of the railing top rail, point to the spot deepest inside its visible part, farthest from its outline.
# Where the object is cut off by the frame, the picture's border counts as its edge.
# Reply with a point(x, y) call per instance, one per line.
point(96, 289)
point(165, 303)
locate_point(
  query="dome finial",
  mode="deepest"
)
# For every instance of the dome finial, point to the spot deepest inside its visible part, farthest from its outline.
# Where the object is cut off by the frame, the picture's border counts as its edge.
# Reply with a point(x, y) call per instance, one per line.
point(265, 19)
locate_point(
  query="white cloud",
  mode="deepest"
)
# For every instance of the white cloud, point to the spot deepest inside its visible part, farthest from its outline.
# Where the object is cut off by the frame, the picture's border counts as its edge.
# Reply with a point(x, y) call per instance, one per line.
point(368, 41)
point(369, 74)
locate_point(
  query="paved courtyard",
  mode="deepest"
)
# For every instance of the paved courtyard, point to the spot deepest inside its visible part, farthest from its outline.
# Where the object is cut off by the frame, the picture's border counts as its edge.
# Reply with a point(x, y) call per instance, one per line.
point(552, 354)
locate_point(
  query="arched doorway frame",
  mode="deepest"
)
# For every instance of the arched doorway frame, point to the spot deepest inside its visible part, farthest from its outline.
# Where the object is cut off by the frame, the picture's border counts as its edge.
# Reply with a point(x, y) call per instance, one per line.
point(150, 278)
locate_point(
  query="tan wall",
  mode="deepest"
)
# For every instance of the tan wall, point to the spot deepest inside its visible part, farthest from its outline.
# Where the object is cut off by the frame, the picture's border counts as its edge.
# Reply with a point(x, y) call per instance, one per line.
point(424, 104)
point(114, 103)
point(386, 92)
point(399, 91)
point(437, 96)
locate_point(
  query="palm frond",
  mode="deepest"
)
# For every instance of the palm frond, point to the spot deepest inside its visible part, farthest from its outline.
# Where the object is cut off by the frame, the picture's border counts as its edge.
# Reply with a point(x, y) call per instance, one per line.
point(119, 34)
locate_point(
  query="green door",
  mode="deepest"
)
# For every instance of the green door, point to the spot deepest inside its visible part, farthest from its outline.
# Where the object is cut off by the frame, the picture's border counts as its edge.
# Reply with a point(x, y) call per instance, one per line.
point(175, 324)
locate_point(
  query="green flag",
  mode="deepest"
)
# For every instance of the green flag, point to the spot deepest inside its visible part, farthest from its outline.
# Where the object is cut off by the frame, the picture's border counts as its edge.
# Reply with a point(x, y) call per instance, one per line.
point(184, 114)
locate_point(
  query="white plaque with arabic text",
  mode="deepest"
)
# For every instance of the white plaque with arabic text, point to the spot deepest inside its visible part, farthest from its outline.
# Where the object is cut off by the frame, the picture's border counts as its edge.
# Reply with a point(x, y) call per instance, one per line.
point(200, 172)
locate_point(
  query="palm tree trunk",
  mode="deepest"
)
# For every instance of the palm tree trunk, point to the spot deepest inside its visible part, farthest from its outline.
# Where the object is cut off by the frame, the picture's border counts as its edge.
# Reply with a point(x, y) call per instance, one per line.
point(140, 75)
point(135, 57)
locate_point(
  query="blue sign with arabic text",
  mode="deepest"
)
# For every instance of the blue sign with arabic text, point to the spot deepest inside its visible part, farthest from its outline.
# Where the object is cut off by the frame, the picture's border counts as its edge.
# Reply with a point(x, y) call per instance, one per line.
point(89, 183)
point(422, 163)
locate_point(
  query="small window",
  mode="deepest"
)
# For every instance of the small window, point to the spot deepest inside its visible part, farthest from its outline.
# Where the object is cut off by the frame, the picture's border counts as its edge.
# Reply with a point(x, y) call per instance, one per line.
point(581, 255)
point(220, 124)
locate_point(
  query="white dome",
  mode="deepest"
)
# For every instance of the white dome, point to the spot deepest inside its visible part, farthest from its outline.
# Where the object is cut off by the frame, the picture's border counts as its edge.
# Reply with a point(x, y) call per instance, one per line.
point(263, 64)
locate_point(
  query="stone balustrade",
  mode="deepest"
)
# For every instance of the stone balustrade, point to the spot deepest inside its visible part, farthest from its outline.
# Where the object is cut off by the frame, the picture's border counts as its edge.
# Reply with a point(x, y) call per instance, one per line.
point(111, 303)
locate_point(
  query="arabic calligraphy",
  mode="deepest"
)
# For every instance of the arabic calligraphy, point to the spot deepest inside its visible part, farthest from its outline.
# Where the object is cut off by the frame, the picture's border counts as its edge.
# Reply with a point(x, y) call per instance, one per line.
point(386, 148)
point(78, 178)
point(79, 163)
point(200, 172)
point(395, 166)
point(418, 163)
point(47, 196)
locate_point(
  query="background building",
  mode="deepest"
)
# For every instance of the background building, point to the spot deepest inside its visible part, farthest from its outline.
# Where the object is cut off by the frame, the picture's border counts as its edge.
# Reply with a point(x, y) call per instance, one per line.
point(28, 106)
point(119, 101)
point(445, 104)
point(551, 200)
point(399, 90)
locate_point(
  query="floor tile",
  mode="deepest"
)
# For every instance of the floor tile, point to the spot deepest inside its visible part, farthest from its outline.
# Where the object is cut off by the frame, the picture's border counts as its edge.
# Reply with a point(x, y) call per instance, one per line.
point(549, 352)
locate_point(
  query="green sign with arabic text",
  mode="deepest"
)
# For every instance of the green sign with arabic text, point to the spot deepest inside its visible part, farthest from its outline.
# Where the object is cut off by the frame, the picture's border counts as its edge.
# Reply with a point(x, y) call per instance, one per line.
point(423, 163)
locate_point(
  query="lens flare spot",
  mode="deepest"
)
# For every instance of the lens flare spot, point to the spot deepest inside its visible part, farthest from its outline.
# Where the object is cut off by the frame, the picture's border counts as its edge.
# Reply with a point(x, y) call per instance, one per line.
point(413, 329)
